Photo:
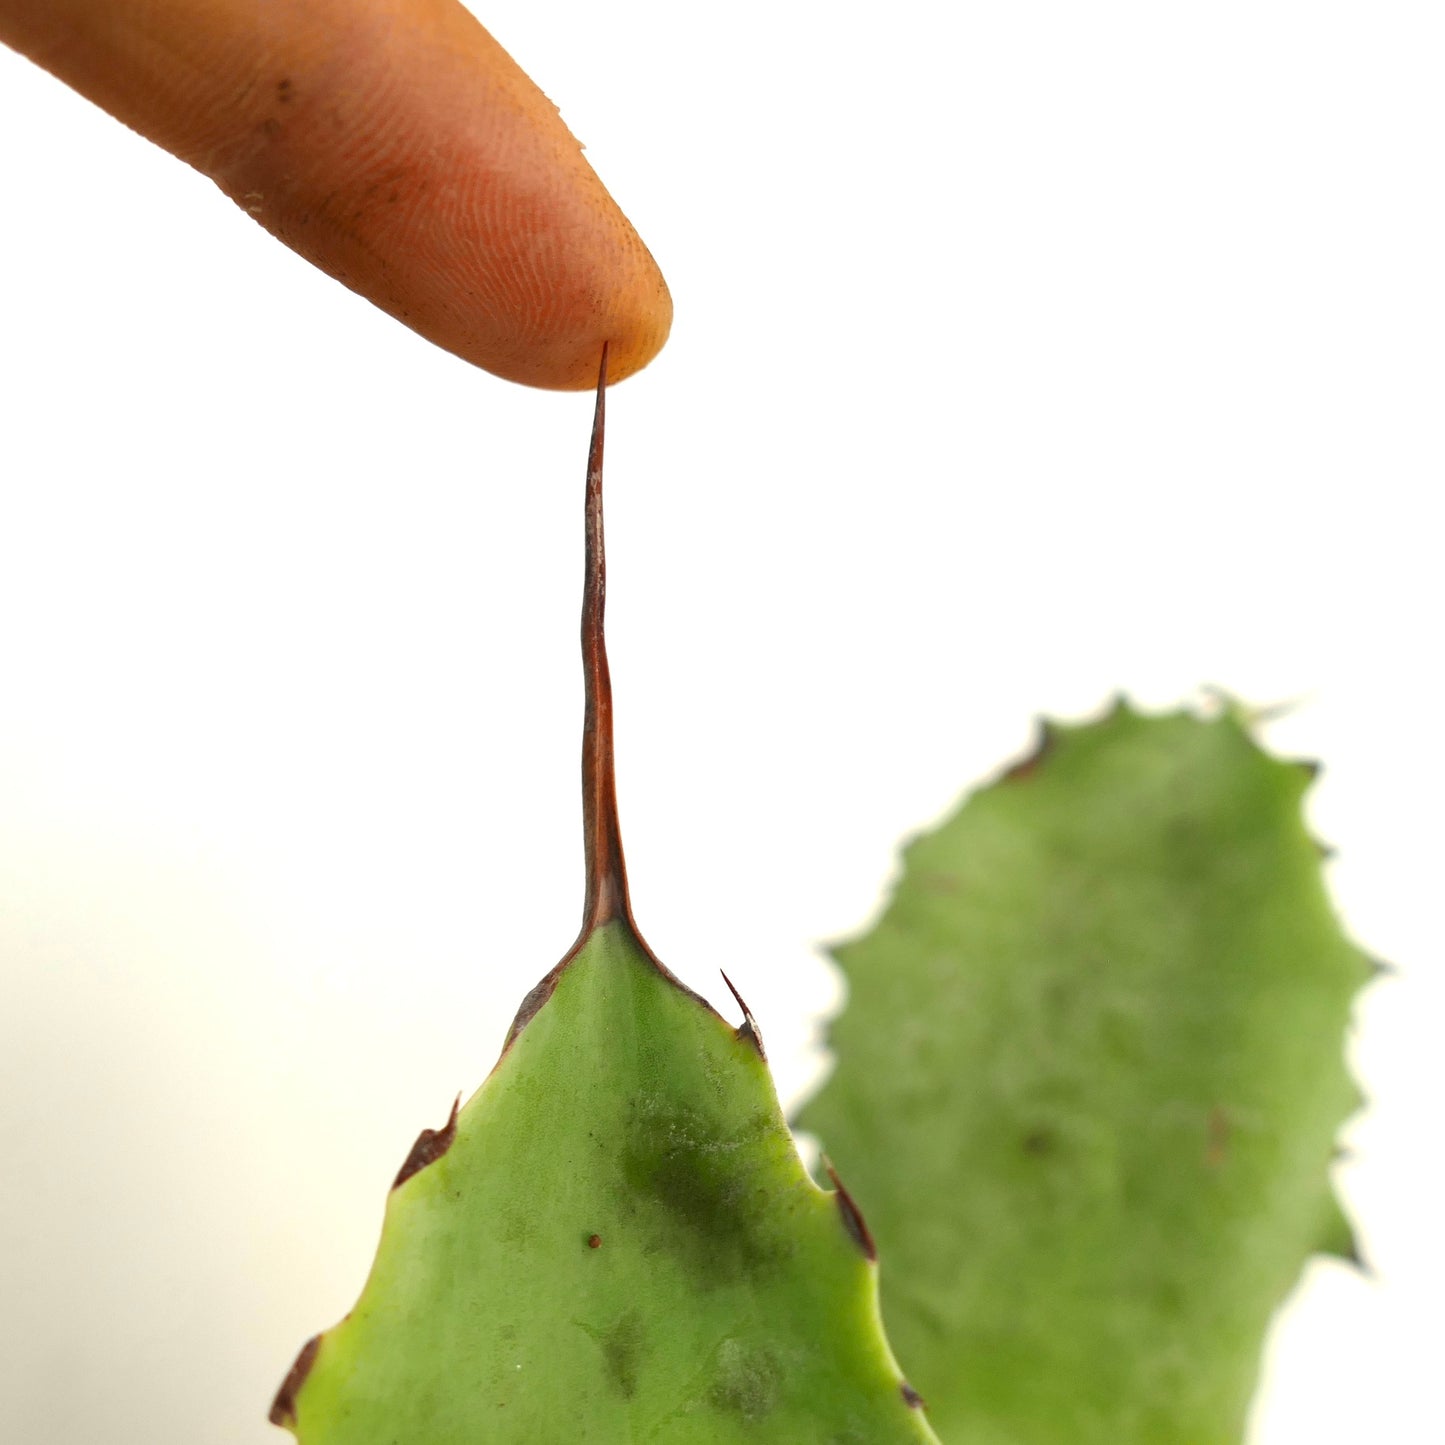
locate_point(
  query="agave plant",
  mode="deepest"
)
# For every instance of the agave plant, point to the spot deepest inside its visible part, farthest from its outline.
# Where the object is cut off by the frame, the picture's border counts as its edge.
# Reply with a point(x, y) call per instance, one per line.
point(1088, 1088)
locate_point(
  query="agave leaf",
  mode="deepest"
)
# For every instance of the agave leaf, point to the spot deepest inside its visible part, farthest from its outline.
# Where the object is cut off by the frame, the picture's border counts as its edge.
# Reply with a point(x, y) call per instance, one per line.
point(1089, 1081)
point(618, 1243)
point(614, 1240)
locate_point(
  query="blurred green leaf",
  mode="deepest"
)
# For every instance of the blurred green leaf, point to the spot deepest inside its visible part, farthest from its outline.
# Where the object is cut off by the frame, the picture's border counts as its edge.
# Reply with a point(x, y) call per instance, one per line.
point(1089, 1083)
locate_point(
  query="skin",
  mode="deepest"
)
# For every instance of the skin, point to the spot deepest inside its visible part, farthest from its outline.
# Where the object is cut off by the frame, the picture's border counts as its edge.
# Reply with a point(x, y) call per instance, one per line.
point(395, 145)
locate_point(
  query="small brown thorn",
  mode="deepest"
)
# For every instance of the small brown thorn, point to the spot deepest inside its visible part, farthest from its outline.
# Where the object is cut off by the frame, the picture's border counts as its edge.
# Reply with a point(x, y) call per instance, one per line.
point(853, 1220)
point(430, 1145)
point(911, 1397)
point(749, 1029)
point(283, 1407)
point(1046, 738)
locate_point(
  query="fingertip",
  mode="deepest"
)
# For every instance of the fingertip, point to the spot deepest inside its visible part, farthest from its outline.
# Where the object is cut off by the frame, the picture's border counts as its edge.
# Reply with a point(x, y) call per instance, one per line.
point(397, 146)
point(420, 166)
point(554, 338)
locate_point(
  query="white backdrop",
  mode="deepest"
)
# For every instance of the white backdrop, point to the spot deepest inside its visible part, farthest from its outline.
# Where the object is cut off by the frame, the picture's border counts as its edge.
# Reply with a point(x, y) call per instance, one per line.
point(1021, 356)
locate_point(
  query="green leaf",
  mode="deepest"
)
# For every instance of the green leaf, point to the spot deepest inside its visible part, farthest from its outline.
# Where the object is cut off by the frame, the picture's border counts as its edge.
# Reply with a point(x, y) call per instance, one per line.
point(618, 1243)
point(1089, 1082)
point(615, 1239)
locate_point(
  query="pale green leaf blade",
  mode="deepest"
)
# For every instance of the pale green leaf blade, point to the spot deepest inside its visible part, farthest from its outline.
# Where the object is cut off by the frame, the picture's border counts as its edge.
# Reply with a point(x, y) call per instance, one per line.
point(619, 1243)
point(1089, 1083)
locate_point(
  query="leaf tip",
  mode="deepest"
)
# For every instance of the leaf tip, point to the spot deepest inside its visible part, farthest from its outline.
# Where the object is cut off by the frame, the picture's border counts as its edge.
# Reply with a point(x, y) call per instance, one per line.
point(607, 897)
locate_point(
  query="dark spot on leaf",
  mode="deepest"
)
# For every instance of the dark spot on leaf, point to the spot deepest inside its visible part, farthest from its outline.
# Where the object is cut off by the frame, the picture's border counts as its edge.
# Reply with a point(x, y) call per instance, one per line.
point(1216, 1151)
point(622, 1348)
point(283, 91)
point(747, 1383)
point(283, 1407)
point(911, 1397)
point(853, 1220)
point(430, 1145)
point(1039, 1142)
point(936, 882)
point(709, 1206)
point(594, 1241)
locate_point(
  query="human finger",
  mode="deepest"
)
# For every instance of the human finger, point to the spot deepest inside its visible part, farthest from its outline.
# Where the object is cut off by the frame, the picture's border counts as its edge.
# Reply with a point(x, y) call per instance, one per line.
point(396, 145)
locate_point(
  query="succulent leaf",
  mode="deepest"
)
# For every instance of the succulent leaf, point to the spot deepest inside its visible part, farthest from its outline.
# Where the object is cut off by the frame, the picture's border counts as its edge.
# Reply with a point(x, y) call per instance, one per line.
point(620, 1243)
point(1089, 1082)
point(614, 1240)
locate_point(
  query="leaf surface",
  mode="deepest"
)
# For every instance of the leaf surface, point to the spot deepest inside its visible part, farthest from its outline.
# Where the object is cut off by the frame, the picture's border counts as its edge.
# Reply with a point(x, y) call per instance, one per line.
point(1089, 1083)
point(620, 1243)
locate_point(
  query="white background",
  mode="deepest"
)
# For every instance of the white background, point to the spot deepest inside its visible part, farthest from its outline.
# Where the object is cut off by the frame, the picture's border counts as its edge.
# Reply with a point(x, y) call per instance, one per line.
point(1021, 356)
